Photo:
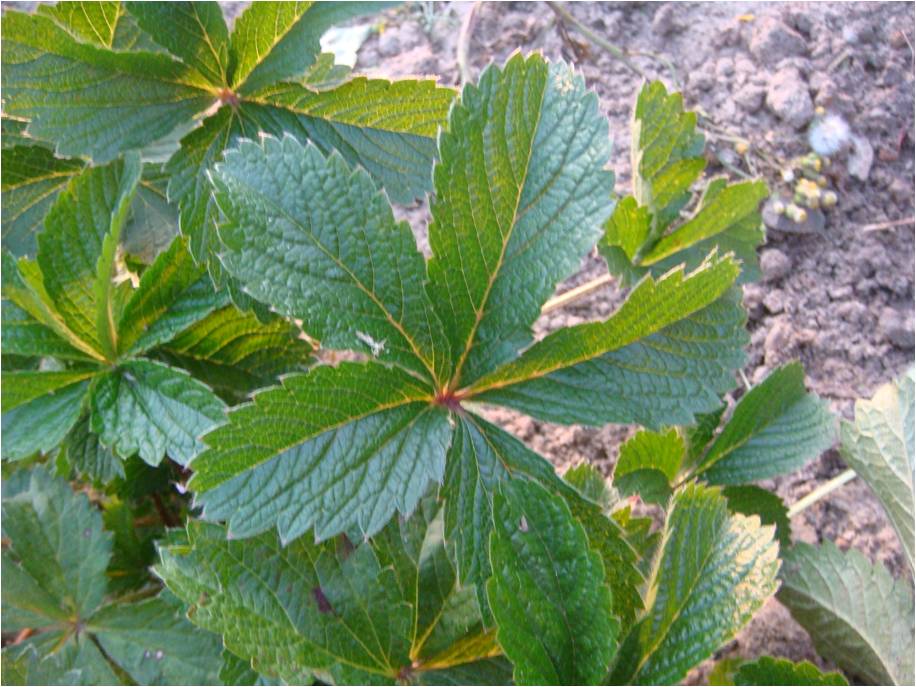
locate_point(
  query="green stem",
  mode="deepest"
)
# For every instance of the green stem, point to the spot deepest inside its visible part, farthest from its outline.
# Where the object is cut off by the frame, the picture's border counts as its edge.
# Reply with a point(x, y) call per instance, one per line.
point(822, 491)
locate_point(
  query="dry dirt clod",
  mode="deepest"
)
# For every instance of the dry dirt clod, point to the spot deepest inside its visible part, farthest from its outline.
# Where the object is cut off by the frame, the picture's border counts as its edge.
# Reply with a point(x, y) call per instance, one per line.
point(773, 41)
point(774, 264)
point(897, 327)
point(788, 97)
point(664, 23)
point(750, 97)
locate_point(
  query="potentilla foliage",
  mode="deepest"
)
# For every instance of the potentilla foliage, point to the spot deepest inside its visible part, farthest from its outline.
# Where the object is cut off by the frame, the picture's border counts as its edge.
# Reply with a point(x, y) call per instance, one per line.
point(101, 78)
point(345, 512)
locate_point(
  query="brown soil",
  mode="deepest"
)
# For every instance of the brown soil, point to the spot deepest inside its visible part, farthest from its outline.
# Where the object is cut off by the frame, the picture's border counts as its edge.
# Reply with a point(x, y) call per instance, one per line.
point(841, 301)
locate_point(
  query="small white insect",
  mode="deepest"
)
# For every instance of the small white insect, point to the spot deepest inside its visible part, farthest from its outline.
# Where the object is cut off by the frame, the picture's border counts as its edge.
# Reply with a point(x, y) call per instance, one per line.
point(377, 347)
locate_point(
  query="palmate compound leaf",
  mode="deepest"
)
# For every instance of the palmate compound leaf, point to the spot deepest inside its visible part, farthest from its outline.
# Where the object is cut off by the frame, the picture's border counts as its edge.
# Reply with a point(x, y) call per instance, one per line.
point(68, 304)
point(715, 570)
point(377, 612)
point(778, 671)
point(667, 156)
point(54, 582)
point(775, 428)
point(547, 593)
point(316, 242)
point(879, 447)
point(858, 616)
point(54, 568)
point(129, 93)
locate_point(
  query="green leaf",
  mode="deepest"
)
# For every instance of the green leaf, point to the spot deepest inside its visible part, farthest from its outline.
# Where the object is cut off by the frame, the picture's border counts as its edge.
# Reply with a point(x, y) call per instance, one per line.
point(665, 355)
point(90, 100)
point(23, 285)
point(189, 184)
point(547, 592)
point(22, 387)
point(77, 662)
point(490, 671)
point(172, 296)
point(387, 127)
point(642, 538)
point(775, 428)
point(88, 457)
point(714, 572)
point(147, 407)
point(279, 41)
point(153, 642)
point(607, 538)
point(306, 606)
point(591, 484)
point(107, 299)
point(649, 464)
point(857, 615)
point(341, 264)
point(76, 250)
point(23, 335)
point(32, 179)
point(667, 156)
point(723, 207)
point(751, 500)
point(236, 671)
point(41, 423)
point(879, 447)
point(481, 457)
point(447, 629)
point(726, 220)
point(235, 353)
point(153, 222)
point(325, 75)
point(334, 448)
point(89, 22)
point(14, 134)
point(195, 32)
point(54, 567)
point(133, 551)
point(778, 671)
point(28, 667)
point(521, 192)
point(699, 435)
